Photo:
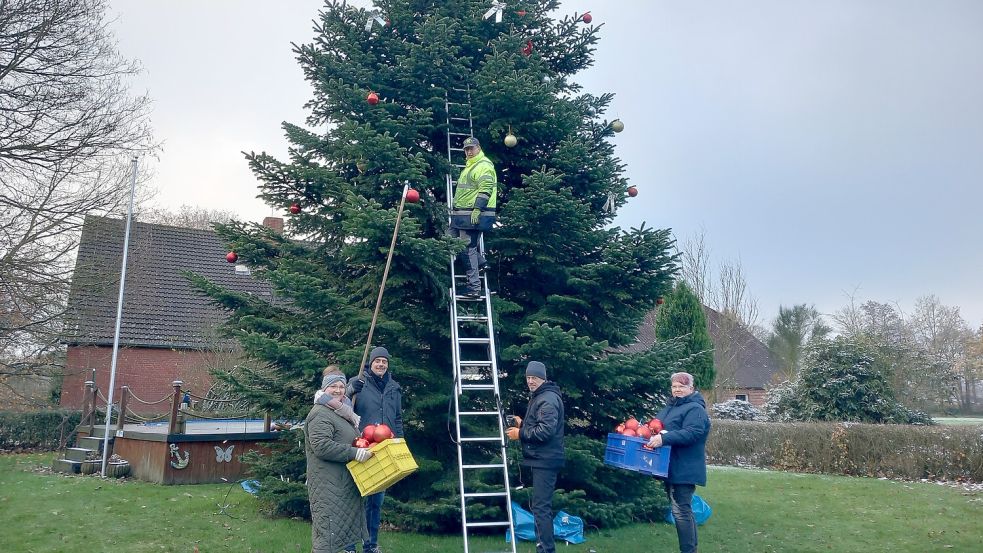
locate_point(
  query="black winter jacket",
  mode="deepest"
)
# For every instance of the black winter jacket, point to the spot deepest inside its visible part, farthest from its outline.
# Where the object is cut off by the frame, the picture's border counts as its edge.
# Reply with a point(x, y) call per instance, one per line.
point(686, 428)
point(541, 433)
point(375, 406)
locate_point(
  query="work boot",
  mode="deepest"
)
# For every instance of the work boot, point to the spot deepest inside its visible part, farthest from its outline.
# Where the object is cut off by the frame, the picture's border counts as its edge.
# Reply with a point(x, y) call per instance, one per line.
point(373, 549)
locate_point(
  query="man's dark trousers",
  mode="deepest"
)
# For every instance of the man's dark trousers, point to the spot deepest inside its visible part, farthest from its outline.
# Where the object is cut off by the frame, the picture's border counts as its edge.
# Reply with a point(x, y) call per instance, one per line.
point(543, 484)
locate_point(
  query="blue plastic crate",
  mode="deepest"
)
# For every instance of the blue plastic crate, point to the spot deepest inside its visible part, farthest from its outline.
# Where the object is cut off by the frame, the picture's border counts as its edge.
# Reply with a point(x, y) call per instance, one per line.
point(626, 452)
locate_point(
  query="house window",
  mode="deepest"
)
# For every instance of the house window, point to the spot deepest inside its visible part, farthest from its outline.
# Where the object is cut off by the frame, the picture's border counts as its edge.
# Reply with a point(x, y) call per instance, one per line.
point(742, 397)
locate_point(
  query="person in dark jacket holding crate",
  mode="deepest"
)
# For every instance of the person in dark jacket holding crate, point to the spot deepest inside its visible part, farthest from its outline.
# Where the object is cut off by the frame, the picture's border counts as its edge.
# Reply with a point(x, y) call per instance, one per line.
point(378, 399)
point(541, 436)
point(686, 428)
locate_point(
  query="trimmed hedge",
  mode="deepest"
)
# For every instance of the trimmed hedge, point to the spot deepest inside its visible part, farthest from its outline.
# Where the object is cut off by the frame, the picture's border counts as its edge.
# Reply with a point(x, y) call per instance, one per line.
point(39, 430)
point(878, 450)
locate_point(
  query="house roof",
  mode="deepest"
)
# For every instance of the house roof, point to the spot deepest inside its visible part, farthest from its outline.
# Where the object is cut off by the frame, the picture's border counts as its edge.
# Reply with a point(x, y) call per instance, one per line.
point(751, 362)
point(160, 306)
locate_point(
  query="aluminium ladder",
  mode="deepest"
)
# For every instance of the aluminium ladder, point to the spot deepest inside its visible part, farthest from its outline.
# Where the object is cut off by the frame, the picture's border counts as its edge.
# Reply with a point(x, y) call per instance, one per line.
point(482, 461)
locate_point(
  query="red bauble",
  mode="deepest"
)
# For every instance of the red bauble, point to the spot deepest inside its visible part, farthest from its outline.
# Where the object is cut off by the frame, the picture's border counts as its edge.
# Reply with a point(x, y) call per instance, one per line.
point(412, 195)
point(382, 433)
point(361, 442)
point(369, 432)
point(632, 191)
point(631, 423)
point(628, 432)
point(521, 13)
point(644, 432)
point(660, 300)
point(295, 208)
point(372, 98)
point(587, 17)
point(656, 426)
point(231, 257)
point(620, 428)
point(527, 49)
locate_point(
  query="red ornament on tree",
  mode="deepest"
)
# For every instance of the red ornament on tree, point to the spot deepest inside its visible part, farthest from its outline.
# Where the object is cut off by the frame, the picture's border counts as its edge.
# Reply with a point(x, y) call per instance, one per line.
point(295, 208)
point(632, 191)
point(587, 17)
point(231, 257)
point(372, 98)
point(660, 300)
point(412, 196)
point(527, 49)
point(520, 13)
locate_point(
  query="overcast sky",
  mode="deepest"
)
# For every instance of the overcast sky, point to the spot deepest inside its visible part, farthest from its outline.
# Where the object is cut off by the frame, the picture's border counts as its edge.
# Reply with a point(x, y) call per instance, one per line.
point(833, 147)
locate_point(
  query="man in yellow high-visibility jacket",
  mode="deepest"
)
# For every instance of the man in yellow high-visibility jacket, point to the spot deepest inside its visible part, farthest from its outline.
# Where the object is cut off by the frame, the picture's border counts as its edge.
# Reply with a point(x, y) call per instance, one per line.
point(474, 209)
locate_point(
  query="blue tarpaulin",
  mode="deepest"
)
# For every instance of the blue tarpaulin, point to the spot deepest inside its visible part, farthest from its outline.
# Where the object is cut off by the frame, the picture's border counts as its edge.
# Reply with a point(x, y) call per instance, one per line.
point(566, 527)
point(701, 511)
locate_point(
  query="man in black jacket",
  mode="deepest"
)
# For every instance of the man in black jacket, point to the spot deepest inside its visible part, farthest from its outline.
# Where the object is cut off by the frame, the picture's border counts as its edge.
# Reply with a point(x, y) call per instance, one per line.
point(541, 436)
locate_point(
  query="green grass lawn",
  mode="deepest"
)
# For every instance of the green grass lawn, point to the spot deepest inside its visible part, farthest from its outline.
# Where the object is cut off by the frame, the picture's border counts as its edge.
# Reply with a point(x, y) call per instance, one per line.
point(754, 511)
point(959, 421)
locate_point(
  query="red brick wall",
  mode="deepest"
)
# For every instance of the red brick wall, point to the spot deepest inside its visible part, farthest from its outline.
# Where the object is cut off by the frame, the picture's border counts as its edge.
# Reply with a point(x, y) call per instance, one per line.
point(147, 371)
point(756, 396)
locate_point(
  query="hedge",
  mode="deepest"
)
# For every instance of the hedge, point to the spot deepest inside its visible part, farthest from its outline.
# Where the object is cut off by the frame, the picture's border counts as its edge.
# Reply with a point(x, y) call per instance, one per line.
point(38, 430)
point(878, 450)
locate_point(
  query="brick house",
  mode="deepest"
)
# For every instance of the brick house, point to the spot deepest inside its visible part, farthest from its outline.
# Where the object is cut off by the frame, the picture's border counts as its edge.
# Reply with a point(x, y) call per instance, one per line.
point(168, 330)
point(744, 366)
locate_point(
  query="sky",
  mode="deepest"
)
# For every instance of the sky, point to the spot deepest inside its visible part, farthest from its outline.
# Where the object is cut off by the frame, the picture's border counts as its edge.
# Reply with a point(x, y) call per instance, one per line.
point(833, 149)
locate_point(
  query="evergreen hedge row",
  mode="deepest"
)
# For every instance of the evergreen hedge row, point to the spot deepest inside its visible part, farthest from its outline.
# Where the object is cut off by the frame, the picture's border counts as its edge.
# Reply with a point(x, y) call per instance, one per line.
point(38, 430)
point(876, 450)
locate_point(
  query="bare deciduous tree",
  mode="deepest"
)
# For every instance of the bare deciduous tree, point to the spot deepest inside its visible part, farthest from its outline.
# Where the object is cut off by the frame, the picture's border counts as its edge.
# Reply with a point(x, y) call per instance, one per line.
point(188, 217)
point(69, 127)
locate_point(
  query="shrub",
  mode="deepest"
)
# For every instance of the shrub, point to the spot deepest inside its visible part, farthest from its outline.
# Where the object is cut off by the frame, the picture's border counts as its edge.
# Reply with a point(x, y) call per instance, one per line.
point(38, 430)
point(736, 410)
point(892, 451)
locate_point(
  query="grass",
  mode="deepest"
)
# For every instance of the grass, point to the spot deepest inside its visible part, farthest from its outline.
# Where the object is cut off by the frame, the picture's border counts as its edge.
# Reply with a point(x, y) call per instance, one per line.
point(754, 511)
point(959, 421)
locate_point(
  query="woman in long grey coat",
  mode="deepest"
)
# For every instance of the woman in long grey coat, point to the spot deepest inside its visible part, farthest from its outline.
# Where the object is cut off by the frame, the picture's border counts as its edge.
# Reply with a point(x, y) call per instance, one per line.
point(337, 508)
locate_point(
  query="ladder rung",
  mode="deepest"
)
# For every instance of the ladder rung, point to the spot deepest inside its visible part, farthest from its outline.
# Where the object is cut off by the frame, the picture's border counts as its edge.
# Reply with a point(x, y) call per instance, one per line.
point(474, 363)
point(458, 104)
point(462, 413)
point(495, 466)
point(474, 340)
point(456, 149)
point(459, 133)
point(477, 386)
point(459, 165)
point(470, 298)
point(459, 118)
point(479, 524)
point(485, 494)
point(461, 89)
point(477, 439)
point(472, 318)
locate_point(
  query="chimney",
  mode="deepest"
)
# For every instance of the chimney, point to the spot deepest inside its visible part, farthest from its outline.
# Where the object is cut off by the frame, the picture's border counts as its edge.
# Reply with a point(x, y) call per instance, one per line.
point(275, 223)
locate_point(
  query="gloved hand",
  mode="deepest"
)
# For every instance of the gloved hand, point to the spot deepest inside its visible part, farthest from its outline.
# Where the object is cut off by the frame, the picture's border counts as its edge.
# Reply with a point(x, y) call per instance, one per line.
point(475, 213)
point(512, 433)
point(357, 385)
point(518, 421)
point(363, 454)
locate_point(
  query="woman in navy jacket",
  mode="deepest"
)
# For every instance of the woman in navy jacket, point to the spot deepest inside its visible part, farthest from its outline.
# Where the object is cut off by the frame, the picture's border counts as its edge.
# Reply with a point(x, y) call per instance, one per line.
point(686, 428)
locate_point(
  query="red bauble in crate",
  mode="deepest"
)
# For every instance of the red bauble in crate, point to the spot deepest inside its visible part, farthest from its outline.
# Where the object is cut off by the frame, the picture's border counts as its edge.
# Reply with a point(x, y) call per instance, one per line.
point(629, 432)
point(382, 433)
point(369, 432)
point(656, 426)
point(631, 423)
point(361, 442)
point(620, 428)
point(644, 432)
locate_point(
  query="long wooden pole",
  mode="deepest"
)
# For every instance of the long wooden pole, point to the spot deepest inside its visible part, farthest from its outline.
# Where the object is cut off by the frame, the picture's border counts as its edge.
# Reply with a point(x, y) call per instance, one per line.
point(382, 286)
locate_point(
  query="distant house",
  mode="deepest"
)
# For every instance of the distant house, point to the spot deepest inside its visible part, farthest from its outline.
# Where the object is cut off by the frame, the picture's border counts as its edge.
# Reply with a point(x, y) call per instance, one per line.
point(168, 330)
point(744, 367)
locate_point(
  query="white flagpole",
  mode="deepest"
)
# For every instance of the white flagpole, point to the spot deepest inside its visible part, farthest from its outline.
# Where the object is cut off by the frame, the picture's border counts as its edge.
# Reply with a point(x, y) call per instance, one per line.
point(119, 318)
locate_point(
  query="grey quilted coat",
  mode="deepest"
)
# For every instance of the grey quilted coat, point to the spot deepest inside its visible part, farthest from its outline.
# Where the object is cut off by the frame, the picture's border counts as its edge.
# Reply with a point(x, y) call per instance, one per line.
point(337, 509)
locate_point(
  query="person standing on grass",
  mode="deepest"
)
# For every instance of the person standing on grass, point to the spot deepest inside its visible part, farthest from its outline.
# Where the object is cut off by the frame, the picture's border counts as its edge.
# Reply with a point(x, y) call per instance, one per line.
point(337, 511)
point(378, 399)
point(686, 429)
point(541, 436)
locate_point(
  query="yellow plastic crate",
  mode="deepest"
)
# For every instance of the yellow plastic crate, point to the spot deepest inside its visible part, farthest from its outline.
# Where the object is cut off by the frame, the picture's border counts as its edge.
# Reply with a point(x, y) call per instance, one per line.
point(391, 461)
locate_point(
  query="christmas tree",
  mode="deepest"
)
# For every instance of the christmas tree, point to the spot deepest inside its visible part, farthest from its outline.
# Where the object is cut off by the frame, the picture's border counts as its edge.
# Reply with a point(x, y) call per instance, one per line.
point(682, 317)
point(570, 290)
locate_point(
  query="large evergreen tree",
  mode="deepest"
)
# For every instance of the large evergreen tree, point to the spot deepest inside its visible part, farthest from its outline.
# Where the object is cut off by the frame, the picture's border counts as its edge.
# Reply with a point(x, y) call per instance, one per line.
point(682, 317)
point(570, 290)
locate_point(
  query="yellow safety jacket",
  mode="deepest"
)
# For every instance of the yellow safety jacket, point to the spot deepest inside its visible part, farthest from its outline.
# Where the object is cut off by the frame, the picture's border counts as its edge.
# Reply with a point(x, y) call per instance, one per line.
point(477, 187)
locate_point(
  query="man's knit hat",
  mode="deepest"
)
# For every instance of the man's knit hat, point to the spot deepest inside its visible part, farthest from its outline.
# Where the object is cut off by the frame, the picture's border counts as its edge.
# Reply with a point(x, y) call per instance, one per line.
point(537, 369)
point(378, 352)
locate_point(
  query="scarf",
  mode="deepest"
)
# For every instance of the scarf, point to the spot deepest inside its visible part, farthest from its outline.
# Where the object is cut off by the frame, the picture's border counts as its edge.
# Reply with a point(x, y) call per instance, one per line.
point(341, 406)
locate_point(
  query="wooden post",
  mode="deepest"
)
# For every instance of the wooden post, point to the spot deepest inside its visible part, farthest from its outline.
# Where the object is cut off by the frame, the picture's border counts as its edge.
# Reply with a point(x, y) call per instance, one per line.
point(266, 422)
point(175, 405)
point(93, 398)
point(86, 408)
point(124, 393)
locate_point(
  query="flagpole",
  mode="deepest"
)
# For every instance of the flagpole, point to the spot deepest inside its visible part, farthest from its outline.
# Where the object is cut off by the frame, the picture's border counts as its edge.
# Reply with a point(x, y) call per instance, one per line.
point(119, 318)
